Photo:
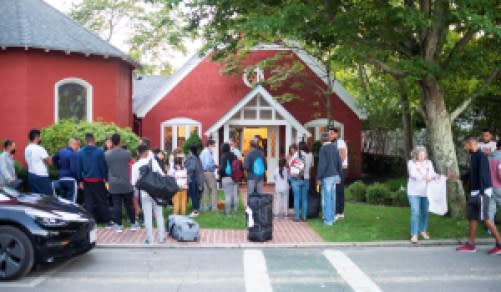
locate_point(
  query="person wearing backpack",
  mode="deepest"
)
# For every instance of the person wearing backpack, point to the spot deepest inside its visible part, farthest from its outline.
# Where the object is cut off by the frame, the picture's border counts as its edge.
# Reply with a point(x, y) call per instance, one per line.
point(255, 165)
point(230, 187)
point(300, 166)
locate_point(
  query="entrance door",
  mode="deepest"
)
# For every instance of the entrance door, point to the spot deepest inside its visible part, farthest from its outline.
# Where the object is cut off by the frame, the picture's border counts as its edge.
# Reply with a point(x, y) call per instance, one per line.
point(269, 142)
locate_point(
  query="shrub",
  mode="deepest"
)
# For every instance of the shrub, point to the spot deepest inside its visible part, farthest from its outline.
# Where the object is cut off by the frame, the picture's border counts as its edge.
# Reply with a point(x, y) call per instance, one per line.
point(56, 136)
point(399, 198)
point(396, 184)
point(194, 139)
point(357, 191)
point(377, 194)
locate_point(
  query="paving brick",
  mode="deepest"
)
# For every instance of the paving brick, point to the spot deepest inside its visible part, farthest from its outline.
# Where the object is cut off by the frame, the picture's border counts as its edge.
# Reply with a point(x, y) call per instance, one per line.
point(284, 232)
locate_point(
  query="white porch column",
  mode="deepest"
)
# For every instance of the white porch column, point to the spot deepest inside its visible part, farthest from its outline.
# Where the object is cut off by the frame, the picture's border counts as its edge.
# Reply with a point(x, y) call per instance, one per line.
point(288, 137)
point(226, 136)
point(215, 136)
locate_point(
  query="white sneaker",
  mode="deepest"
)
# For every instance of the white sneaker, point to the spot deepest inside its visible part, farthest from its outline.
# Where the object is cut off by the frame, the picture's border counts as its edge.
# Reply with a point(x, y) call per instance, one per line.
point(340, 216)
point(118, 228)
point(194, 214)
point(134, 227)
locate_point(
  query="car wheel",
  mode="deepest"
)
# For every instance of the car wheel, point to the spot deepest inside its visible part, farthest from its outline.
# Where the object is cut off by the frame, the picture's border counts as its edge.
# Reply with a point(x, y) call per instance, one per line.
point(16, 253)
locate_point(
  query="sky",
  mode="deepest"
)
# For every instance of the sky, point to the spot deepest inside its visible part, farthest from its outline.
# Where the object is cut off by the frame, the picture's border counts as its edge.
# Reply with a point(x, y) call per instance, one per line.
point(176, 59)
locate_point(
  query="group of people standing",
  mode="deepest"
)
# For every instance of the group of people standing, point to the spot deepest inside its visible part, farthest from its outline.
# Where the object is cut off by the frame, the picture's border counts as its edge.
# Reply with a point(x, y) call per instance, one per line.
point(295, 172)
point(484, 177)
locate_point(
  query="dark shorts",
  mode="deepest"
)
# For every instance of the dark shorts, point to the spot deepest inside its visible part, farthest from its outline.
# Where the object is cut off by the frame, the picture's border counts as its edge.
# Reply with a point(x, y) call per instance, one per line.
point(477, 208)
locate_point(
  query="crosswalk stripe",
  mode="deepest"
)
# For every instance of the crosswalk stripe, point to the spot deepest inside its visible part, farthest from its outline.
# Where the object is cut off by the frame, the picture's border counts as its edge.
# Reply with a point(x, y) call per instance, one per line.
point(255, 272)
point(350, 272)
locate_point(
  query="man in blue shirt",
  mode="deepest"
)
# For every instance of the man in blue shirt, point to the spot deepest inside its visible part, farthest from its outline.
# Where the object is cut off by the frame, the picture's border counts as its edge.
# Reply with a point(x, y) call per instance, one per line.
point(210, 185)
point(66, 161)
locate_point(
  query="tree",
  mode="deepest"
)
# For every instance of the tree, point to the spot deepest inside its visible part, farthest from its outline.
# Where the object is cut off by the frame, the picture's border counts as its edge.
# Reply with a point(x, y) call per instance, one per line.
point(423, 43)
point(150, 28)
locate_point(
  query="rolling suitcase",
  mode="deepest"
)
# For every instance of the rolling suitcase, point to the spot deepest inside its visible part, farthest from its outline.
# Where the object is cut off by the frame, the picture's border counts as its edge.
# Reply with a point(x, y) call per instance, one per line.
point(182, 228)
point(261, 207)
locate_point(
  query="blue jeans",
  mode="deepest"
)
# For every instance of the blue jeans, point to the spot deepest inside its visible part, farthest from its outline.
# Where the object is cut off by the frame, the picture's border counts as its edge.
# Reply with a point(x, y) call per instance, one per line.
point(300, 189)
point(419, 214)
point(66, 189)
point(194, 194)
point(329, 199)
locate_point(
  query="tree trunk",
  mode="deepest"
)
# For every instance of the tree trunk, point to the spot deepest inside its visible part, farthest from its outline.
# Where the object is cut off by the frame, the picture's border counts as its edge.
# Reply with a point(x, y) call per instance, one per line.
point(442, 143)
point(406, 124)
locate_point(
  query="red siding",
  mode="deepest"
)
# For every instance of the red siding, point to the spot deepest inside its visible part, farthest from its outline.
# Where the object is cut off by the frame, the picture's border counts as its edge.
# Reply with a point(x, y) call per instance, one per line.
point(206, 95)
point(27, 80)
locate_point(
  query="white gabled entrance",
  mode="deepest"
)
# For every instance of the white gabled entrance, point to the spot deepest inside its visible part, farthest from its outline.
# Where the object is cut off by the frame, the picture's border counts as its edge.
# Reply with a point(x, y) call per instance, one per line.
point(258, 110)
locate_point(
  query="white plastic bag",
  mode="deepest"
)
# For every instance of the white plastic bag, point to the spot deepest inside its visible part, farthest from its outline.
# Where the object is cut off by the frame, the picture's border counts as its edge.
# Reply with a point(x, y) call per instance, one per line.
point(437, 196)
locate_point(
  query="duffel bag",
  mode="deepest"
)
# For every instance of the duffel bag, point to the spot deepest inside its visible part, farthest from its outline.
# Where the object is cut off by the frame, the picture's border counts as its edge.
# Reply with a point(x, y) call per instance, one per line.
point(160, 188)
point(182, 228)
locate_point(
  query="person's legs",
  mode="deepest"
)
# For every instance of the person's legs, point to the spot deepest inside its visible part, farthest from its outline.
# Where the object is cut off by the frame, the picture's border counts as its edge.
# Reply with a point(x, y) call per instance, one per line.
point(415, 210)
point(276, 204)
point(159, 217)
point(193, 192)
point(423, 214)
point(260, 186)
point(251, 188)
point(235, 198)
point(40, 184)
point(99, 192)
point(227, 183)
point(129, 207)
point(340, 194)
point(327, 193)
point(304, 197)
point(89, 203)
point(183, 199)
point(297, 193)
point(213, 193)
point(117, 208)
point(147, 204)
point(494, 202)
point(205, 193)
point(176, 203)
point(285, 198)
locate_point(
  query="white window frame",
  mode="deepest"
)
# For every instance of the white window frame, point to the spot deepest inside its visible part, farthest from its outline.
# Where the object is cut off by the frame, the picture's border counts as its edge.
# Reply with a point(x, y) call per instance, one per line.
point(78, 81)
point(175, 123)
point(319, 123)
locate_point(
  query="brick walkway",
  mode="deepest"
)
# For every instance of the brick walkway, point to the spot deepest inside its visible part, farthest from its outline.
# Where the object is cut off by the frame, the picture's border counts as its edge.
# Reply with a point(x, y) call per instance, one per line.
point(284, 232)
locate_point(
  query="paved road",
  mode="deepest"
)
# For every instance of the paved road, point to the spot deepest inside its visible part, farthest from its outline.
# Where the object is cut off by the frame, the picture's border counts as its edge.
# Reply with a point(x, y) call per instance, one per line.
point(342, 269)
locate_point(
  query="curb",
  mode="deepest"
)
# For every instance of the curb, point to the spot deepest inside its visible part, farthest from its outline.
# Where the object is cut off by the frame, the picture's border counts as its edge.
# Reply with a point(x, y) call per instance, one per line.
point(382, 244)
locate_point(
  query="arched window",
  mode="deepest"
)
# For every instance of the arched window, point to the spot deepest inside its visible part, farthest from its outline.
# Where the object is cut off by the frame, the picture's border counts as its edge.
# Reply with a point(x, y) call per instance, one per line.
point(175, 132)
point(73, 100)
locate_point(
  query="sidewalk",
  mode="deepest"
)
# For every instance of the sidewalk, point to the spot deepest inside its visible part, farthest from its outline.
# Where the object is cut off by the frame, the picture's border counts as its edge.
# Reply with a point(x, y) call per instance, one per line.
point(284, 232)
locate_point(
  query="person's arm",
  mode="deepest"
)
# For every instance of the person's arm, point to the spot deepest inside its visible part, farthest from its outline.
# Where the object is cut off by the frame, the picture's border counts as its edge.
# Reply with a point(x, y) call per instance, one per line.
point(134, 175)
point(413, 173)
point(431, 171)
point(55, 160)
point(156, 167)
point(246, 163)
point(484, 174)
point(321, 165)
point(339, 167)
point(74, 165)
point(4, 171)
point(46, 158)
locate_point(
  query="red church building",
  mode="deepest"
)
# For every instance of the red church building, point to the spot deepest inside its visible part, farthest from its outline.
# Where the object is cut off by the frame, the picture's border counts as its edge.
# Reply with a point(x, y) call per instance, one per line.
point(200, 98)
point(51, 68)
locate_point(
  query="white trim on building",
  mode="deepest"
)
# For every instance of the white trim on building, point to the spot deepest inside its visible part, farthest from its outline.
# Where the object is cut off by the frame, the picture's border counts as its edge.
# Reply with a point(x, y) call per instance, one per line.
point(80, 82)
point(311, 62)
point(187, 123)
point(148, 103)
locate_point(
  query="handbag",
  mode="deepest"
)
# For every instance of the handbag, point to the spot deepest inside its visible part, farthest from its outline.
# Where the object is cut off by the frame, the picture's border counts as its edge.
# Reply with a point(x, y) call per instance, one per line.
point(160, 188)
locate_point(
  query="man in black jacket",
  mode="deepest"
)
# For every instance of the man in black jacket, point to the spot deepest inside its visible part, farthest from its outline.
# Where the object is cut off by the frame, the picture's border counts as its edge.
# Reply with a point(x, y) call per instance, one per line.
point(478, 204)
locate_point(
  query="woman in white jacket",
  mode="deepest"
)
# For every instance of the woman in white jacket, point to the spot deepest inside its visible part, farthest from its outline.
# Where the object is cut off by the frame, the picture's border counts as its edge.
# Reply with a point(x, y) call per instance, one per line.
point(421, 172)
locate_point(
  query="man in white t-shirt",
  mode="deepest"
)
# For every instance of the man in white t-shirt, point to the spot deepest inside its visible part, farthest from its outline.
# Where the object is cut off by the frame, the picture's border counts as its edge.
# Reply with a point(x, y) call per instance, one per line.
point(343, 153)
point(487, 145)
point(37, 160)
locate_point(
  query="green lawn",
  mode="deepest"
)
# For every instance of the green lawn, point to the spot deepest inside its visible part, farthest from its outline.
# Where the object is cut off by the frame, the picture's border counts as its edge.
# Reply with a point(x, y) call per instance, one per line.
point(374, 223)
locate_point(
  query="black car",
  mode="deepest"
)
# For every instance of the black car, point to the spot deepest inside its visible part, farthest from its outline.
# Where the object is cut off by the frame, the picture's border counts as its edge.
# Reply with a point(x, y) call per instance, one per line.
point(37, 229)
